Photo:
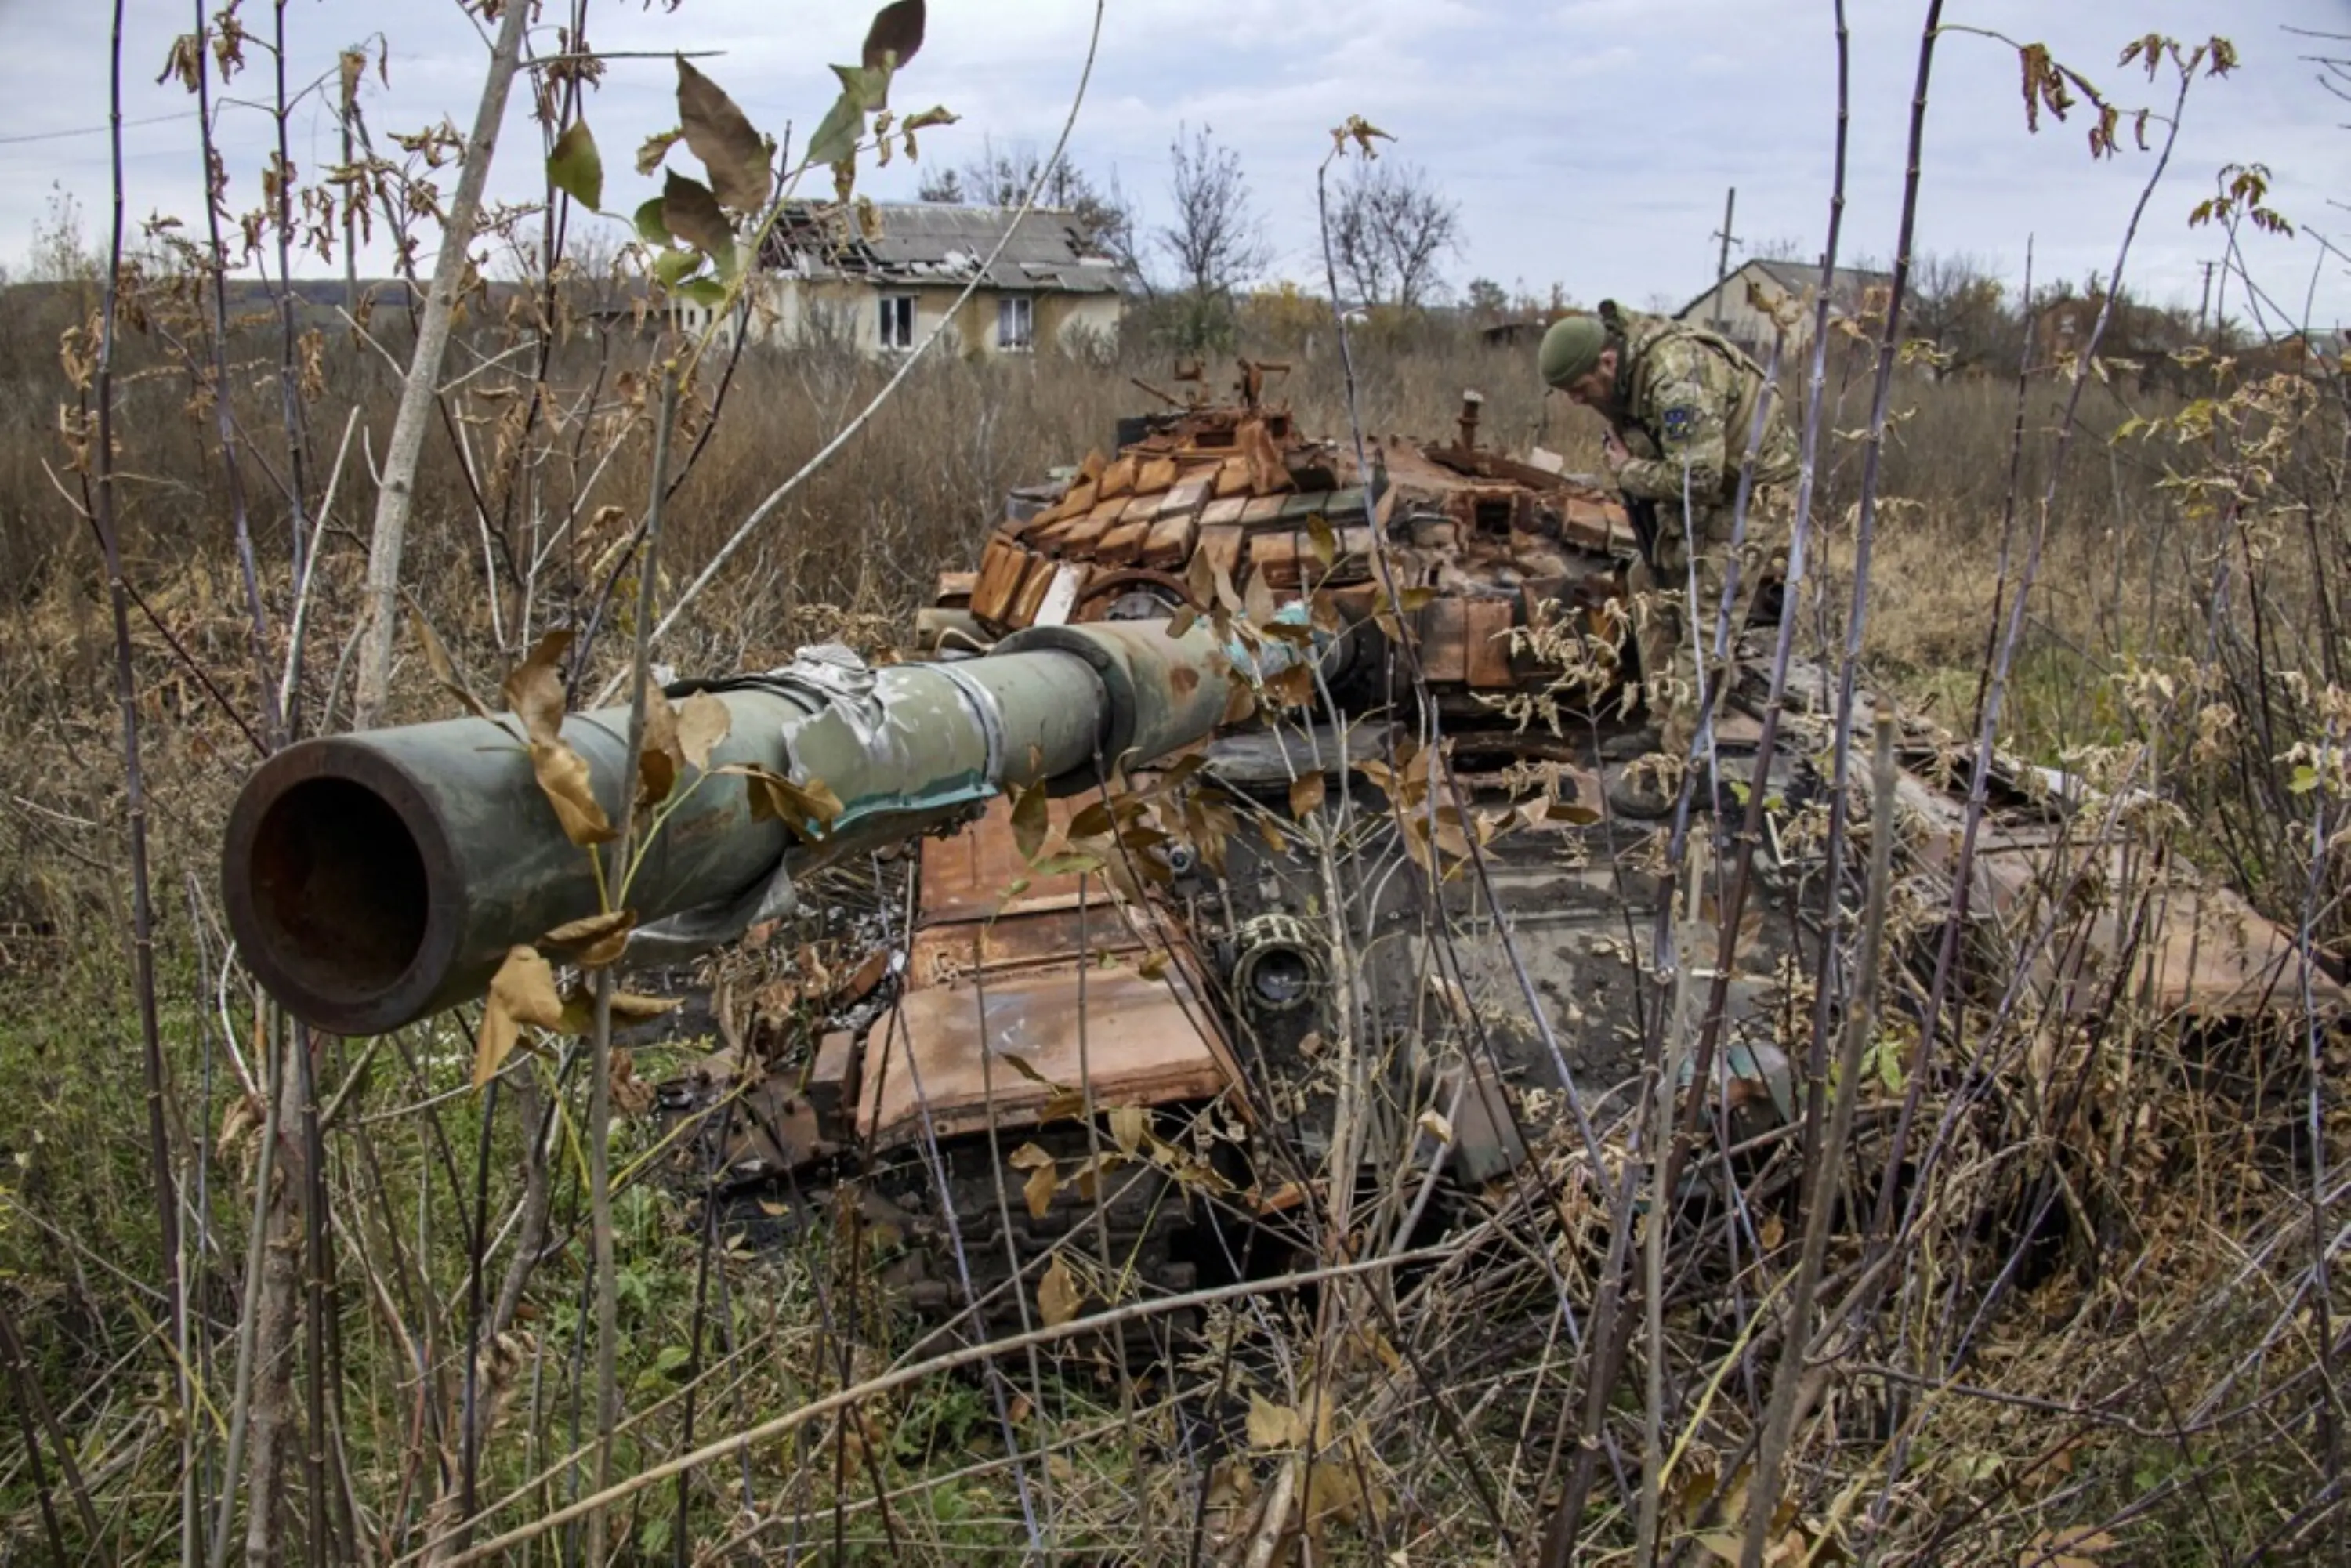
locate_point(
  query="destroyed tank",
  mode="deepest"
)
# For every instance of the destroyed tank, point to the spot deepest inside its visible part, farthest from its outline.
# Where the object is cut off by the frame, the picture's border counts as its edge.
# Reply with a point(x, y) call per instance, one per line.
point(1252, 785)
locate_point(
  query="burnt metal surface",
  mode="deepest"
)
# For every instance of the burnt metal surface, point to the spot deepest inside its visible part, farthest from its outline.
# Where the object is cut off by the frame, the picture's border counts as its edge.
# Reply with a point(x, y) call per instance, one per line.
point(2138, 927)
point(1135, 1040)
point(1022, 990)
point(1234, 499)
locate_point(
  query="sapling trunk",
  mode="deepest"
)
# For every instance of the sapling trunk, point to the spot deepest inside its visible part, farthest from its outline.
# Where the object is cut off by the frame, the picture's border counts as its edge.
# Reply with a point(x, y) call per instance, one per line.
point(1763, 1495)
point(36, 1421)
point(289, 395)
point(599, 1110)
point(1825, 1170)
point(107, 525)
point(417, 398)
point(224, 415)
point(1609, 1340)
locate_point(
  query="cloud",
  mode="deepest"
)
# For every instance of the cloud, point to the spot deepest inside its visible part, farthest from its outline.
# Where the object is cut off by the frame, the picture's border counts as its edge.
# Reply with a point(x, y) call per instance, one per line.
point(1588, 141)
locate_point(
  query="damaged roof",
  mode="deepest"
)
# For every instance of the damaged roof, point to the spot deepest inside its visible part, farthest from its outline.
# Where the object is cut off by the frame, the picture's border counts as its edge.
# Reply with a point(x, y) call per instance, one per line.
point(922, 242)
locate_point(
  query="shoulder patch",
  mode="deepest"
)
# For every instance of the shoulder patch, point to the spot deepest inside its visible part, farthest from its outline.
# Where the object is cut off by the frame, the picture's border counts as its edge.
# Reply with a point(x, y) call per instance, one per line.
point(1677, 423)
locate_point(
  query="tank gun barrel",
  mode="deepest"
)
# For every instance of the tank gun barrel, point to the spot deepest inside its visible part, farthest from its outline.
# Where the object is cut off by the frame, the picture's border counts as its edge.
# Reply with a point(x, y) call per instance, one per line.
point(372, 878)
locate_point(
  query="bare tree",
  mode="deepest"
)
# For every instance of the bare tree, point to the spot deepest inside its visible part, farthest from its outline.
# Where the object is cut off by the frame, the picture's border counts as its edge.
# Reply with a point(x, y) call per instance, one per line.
point(1962, 309)
point(1218, 240)
point(1784, 247)
point(1391, 230)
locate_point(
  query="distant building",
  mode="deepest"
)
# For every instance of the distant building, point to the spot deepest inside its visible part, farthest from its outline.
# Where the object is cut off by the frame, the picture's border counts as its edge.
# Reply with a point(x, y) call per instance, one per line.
point(823, 276)
point(1728, 309)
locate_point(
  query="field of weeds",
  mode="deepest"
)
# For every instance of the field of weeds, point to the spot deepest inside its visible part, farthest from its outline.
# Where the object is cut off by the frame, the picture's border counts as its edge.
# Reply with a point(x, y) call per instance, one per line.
point(2041, 1270)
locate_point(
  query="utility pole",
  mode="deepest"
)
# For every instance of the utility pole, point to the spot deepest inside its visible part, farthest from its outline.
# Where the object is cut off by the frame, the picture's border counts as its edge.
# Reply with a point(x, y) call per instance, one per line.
point(1723, 259)
point(2204, 311)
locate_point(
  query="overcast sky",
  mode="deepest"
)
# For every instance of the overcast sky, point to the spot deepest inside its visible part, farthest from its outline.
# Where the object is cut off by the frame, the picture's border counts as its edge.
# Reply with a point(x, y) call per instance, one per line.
point(1587, 141)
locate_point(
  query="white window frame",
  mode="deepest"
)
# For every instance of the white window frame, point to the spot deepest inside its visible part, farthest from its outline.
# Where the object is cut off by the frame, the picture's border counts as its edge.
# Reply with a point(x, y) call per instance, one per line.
point(895, 321)
point(1012, 309)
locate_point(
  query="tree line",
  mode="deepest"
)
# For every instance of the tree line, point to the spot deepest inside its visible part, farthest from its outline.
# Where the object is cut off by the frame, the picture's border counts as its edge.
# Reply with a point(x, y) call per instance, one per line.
point(1392, 229)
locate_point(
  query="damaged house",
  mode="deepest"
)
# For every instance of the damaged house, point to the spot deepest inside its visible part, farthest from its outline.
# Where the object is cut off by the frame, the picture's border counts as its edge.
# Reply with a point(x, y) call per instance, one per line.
point(882, 285)
point(1731, 307)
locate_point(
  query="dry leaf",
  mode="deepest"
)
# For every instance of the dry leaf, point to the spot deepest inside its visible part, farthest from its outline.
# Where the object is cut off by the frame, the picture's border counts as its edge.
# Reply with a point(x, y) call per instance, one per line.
point(1333, 1495)
point(1306, 795)
point(654, 149)
point(896, 36)
point(690, 213)
point(437, 657)
point(628, 1007)
point(564, 778)
point(1272, 1425)
point(599, 938)
point(807, 809)
point(1038, 1189)
point(1128, 1124)
point(1058, 1297)
point(701, 724)
point(631, 1095)
point(1293, 687)
point(534, 688)
point(661, 757)
point(1322, 540)
point(722, 137)
point(1043, 1178)
point(521, 992)
point(1029, 821)
point(1020, 1064)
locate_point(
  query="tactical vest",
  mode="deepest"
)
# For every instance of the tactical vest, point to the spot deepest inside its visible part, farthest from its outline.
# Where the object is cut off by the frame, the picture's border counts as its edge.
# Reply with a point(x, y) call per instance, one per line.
point(1643, 333)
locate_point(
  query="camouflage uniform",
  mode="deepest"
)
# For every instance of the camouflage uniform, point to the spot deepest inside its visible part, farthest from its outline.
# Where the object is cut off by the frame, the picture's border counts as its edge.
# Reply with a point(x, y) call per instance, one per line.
point(1684, 404)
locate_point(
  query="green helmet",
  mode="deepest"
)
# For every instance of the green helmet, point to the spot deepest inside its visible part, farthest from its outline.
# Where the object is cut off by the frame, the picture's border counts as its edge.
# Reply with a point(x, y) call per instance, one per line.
point(1571, 349)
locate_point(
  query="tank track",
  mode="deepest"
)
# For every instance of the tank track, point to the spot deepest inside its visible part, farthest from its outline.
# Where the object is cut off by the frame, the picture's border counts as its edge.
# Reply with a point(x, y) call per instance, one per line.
point(1141, 1220)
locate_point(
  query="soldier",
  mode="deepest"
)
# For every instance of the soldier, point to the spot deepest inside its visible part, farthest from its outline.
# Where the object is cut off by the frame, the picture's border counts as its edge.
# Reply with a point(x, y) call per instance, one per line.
point(1680, 403)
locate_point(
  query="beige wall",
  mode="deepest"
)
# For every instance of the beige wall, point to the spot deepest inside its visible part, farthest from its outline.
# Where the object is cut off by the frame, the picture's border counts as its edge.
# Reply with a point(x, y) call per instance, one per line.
point(1728, 310)
point(792, 307)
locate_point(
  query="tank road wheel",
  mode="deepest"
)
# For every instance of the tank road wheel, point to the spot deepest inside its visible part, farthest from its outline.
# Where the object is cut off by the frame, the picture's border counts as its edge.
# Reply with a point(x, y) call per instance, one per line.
point(1135, 593)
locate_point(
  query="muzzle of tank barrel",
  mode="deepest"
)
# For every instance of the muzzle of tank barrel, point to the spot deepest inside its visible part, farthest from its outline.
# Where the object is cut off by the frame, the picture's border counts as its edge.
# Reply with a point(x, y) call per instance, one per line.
point(372, 879)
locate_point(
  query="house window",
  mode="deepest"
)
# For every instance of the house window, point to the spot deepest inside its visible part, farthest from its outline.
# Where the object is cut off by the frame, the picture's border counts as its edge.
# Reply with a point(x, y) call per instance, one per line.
point(897, 320)
point(1014, 327)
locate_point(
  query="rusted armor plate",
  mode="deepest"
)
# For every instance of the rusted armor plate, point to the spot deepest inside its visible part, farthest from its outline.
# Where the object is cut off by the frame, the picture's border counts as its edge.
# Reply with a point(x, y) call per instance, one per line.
point(1136, 1040)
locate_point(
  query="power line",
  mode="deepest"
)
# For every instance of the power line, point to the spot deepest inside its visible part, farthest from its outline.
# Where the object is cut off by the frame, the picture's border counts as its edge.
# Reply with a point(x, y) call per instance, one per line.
point(94, 129)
